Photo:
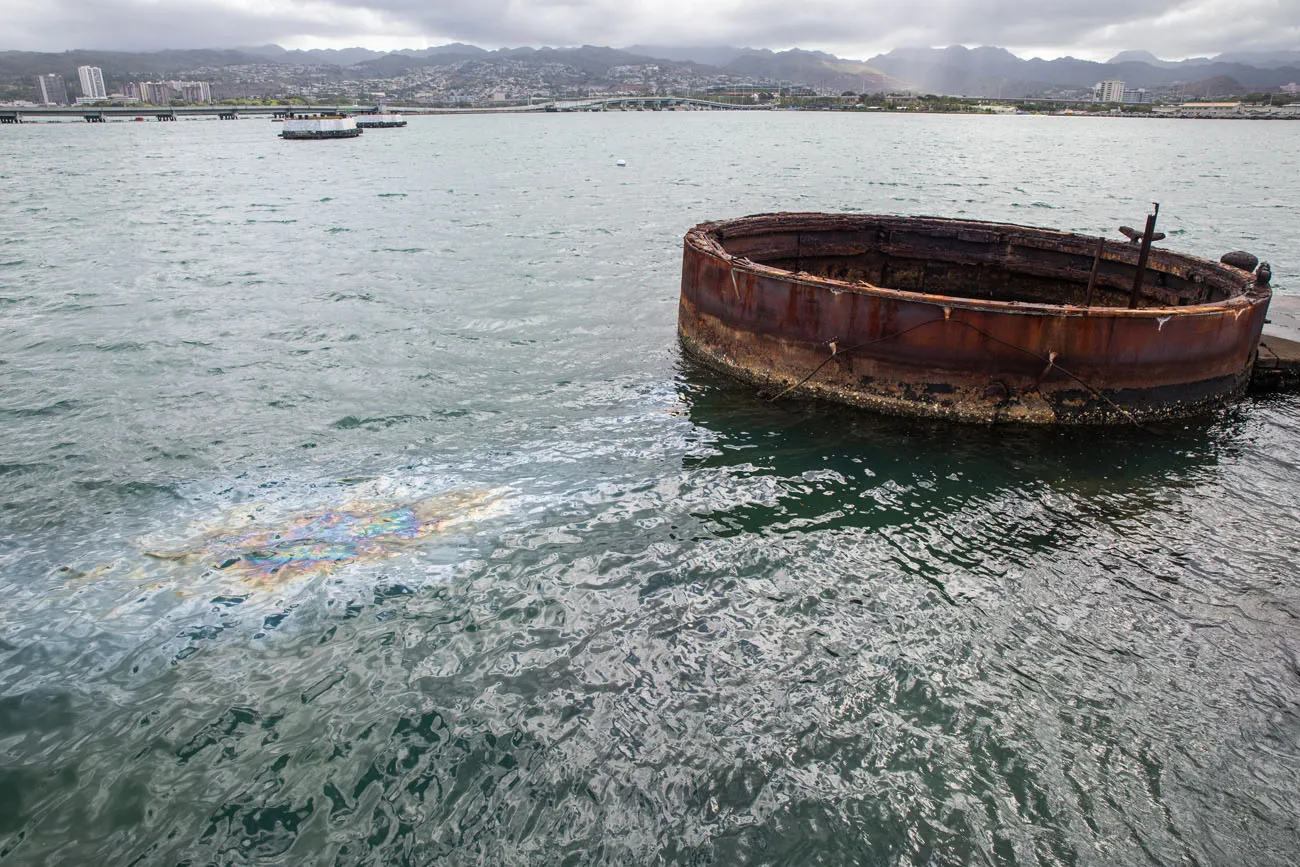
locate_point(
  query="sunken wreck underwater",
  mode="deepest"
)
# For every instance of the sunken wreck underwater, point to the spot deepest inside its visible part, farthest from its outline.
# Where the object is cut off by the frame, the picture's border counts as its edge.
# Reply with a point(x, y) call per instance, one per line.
point(968, 320)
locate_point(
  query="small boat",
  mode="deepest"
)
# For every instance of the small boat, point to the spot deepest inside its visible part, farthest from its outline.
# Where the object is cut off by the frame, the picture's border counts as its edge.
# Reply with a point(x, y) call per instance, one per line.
point(379, 121)
point(967, 320)
point(319, 126)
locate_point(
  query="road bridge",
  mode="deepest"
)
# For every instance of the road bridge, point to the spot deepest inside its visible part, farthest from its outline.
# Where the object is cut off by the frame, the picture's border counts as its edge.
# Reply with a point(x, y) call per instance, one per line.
point(654, 103)
point(101, 114)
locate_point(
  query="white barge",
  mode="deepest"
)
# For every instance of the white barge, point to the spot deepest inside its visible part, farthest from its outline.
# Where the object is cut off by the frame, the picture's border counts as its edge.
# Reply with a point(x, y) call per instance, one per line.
point(317, 126)
point(380, 121)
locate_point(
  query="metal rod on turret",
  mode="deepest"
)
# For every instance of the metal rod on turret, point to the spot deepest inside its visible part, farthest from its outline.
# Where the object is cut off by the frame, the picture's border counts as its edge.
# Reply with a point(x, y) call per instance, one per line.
point(1092, 278)
point(1143, 256)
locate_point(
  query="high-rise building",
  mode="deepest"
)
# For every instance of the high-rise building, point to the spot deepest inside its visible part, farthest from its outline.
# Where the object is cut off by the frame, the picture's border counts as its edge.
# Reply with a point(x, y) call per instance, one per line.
point(152, 92)
point(53, 90)
point(1109, 91)
point(193, 91)
point(92, 82)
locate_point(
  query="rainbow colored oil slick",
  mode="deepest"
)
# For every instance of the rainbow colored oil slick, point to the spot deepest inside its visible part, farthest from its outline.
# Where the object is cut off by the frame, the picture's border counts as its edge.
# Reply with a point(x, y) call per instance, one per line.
point(321, 541)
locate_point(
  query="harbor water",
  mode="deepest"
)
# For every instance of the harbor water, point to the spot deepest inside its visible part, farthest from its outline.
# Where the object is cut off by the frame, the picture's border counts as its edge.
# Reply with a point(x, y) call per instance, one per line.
point(358, 506)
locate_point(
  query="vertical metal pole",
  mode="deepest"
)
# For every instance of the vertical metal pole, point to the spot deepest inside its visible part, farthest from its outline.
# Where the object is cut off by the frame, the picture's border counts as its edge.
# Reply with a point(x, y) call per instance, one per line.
point(1092, 278)
point(1143, 256)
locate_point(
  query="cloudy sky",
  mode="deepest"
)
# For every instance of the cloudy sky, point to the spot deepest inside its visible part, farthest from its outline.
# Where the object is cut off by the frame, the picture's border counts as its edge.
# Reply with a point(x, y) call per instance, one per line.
point(1092, 29)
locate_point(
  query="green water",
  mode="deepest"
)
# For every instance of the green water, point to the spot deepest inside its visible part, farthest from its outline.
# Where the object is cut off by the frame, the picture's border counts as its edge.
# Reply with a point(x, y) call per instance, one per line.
point(357, 506)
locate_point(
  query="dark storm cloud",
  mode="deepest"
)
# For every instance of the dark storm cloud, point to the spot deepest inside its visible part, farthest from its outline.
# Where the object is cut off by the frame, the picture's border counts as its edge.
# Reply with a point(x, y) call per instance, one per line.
point(132, 25)
point(1170, 28)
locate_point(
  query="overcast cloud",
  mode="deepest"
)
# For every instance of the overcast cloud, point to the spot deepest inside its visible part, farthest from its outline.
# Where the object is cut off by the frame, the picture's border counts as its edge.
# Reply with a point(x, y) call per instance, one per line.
point(1093, 29)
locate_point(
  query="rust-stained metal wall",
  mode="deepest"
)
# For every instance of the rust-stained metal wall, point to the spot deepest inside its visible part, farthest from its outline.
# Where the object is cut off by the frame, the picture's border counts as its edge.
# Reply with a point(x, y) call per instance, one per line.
point(793, 302)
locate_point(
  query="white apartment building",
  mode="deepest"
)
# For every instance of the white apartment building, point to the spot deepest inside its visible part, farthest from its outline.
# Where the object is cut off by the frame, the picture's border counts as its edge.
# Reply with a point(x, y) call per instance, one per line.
point(1108, 91)
point(92, 82)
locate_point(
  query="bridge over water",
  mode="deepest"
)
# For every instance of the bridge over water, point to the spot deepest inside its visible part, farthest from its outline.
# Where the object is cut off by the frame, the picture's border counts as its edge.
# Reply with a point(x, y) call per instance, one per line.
point(102, 114)
point(655, 103)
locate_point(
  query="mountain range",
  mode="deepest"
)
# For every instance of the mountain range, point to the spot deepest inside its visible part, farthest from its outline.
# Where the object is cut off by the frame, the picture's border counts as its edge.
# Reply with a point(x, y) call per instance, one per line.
point(988, 71)
point(982, 72)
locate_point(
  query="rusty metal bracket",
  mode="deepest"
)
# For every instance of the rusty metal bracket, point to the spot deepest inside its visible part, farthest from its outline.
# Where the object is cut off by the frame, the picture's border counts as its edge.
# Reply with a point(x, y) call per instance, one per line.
point(1143, 256)
point(1092, 278)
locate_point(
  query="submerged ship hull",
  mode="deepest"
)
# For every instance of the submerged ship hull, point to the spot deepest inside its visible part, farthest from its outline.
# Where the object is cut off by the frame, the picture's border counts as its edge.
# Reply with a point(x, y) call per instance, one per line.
point(966, 320)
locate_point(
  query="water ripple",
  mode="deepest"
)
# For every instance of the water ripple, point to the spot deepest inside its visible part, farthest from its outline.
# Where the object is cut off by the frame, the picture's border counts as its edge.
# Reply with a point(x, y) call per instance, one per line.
point(695, 626)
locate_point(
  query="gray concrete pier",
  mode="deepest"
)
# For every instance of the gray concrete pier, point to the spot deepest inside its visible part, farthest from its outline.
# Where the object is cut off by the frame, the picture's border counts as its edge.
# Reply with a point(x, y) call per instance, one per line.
point(1278, 366)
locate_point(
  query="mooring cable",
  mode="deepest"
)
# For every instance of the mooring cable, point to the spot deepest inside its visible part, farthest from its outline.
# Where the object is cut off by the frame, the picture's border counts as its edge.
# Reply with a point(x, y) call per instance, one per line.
point(1049, 360)
point(836, 351)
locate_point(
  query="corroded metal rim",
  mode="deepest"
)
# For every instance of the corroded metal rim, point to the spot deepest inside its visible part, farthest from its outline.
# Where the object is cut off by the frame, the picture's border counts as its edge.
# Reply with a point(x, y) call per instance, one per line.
point(1241, 285)
point(754, 305)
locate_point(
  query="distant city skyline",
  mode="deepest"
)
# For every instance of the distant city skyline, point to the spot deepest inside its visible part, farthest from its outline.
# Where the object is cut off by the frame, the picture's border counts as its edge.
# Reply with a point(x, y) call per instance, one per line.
point(856, 29)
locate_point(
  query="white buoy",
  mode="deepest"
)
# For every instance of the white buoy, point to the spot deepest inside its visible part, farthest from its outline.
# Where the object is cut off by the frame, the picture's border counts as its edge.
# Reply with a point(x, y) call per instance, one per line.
point(621, 163)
